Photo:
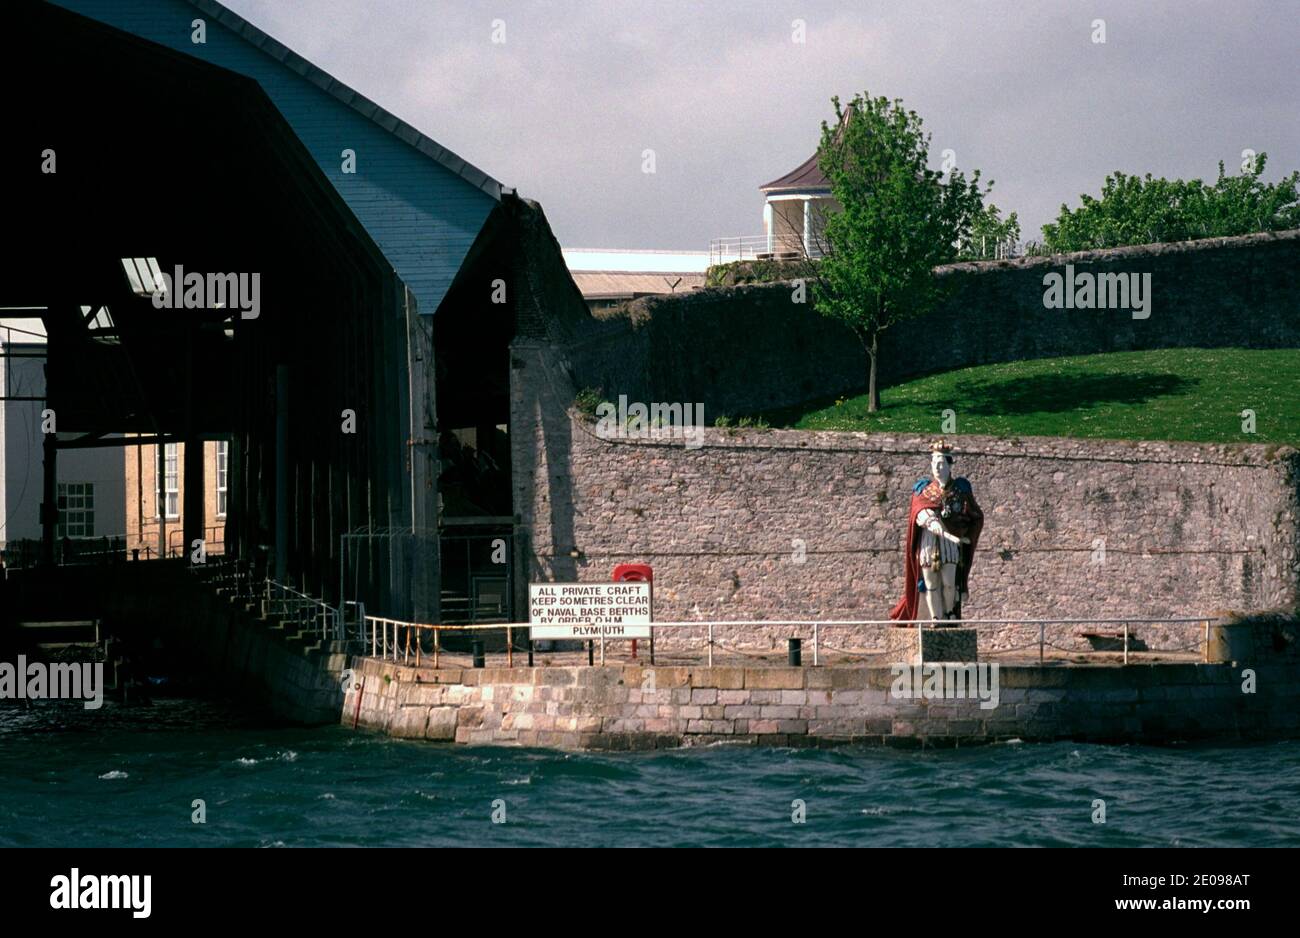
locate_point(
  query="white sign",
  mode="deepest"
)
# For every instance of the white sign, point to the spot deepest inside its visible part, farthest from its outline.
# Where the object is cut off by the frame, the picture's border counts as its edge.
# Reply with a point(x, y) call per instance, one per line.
point(589, 610)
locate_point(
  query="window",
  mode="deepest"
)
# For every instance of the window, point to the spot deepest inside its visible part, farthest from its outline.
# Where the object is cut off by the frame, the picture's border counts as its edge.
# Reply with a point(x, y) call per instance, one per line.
point(76, 509)
point(169, 488)
point(223, 461)
point(143, 275)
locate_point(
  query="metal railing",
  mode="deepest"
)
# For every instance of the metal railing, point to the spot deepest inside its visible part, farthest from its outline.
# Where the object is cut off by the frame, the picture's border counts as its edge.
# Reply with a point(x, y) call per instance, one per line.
point(396, 640)
point(988, 249)
point(387, 638)
point(213, 540)
point(744, 248)
point(352, 621)
point(25, 553)
point(294, 608)
point(759, 247)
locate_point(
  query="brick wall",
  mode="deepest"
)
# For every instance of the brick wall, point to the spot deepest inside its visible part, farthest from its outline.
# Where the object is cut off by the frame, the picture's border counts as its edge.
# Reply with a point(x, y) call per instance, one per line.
point(142, 521)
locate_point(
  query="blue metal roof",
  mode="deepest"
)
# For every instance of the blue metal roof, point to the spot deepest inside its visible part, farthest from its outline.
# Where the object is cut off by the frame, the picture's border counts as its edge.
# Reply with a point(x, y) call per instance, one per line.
point(421, 203)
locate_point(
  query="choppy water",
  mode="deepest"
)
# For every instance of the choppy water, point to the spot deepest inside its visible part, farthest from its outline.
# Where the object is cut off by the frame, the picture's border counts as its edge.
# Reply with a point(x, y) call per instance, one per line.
point(129, 777)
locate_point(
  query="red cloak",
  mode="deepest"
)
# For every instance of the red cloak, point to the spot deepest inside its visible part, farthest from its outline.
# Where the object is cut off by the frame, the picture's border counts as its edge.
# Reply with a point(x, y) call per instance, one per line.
point(966, 521)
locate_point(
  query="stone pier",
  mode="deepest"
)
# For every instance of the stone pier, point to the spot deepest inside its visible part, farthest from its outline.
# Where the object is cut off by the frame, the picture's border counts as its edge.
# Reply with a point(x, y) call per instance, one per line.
point(627, 706)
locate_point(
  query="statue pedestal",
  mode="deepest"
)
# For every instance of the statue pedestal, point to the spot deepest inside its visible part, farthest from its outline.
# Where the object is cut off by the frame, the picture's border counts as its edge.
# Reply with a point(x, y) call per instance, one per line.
point(907, 645)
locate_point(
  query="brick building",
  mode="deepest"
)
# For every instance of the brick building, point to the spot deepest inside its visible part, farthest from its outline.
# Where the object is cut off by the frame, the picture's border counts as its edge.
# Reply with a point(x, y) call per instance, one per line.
point(155, 498)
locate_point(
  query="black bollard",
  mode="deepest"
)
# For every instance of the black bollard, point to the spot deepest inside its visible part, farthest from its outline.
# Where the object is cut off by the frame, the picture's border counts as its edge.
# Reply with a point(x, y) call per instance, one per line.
point(591, 653)
point(795, 653)
point(477, 646)
point(530, 653)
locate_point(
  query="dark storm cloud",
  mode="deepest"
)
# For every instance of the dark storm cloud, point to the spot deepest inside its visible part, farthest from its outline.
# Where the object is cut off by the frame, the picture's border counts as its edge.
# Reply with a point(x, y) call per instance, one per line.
point(565, 107)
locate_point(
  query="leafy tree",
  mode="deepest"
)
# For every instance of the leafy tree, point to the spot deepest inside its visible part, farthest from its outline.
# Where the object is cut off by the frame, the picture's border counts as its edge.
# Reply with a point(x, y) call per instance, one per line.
point(990, 236)
point(1144, 210)
point(899, 219)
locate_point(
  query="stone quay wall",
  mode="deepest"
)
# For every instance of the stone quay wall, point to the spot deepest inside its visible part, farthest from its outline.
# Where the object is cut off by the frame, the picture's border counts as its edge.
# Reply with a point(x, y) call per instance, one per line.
point(637, 707)
point(783, 524)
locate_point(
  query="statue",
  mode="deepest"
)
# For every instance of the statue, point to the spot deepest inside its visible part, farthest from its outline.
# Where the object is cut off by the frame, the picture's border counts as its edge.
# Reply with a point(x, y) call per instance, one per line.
point(943, 529)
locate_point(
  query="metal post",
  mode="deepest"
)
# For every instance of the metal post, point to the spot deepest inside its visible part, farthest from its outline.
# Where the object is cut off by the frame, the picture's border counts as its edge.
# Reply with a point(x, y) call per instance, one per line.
point(652, 645)
point(1041, 627)
point(1206, 648)
point(281, 473)
point(602, 647)
point(374, 653)
point(1126, 643)
point(591, 653)
point(49, 498)
point(815, 661)
point(192, 528)
point(476, 646)
point(510, 647)
point(710, 644)
point(920, 644)
point(530, 652)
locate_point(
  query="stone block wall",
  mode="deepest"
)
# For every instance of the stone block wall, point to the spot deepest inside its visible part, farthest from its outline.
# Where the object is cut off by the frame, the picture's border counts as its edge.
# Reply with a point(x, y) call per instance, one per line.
point(628, 707)
point(777, 524)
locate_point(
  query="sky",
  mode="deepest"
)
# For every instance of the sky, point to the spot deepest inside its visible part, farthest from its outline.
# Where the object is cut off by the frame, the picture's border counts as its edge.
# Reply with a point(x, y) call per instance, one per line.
point(565, 107)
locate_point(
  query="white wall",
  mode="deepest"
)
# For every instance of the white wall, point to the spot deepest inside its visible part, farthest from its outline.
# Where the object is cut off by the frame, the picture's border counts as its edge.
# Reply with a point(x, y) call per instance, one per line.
point(611, 259)
point(21, 454)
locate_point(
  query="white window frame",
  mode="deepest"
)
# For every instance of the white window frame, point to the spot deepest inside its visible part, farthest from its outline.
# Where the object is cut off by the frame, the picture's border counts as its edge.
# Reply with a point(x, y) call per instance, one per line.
point(76, 500)
point(223, 477)
point(167, 492)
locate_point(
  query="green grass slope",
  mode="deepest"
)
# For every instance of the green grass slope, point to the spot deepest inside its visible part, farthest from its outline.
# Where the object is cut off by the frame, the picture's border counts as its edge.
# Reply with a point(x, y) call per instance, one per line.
point(1172, 394)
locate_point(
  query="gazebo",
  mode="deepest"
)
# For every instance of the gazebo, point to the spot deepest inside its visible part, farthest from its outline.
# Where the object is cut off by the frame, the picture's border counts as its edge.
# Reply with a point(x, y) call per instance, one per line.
point(795, 209)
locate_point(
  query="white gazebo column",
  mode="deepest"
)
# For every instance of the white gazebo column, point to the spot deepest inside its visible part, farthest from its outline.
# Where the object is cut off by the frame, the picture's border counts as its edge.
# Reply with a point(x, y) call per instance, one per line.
point(806, 205)
point(767, 227)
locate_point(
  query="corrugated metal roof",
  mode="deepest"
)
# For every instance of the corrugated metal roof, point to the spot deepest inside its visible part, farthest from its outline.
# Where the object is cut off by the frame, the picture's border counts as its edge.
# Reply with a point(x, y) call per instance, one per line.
point(358, 102)
point(606, 284)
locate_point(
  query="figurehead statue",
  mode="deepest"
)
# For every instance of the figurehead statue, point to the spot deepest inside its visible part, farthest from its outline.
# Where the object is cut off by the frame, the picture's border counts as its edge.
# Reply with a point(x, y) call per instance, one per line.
point(943, 528)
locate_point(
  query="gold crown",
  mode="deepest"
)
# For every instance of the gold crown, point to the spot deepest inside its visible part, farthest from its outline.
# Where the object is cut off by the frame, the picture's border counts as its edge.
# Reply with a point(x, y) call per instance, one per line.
point(941, 446)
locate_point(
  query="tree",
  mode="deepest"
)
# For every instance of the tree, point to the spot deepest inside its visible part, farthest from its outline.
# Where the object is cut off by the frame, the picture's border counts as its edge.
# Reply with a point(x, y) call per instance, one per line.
point(990, 236)
point(1135, 210)
point(899, 219)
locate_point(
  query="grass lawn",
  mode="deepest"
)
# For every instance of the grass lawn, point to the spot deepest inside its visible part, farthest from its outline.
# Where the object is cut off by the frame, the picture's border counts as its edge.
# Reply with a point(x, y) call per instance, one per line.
point(1171, 394)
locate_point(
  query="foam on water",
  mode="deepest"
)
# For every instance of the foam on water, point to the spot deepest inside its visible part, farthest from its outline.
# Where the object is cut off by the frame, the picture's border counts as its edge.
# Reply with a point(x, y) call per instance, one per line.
point(334, 787)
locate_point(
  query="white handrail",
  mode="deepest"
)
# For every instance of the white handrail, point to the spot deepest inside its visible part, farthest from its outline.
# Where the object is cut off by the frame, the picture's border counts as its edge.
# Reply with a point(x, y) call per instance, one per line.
point(702, 623)
point(378, 647)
